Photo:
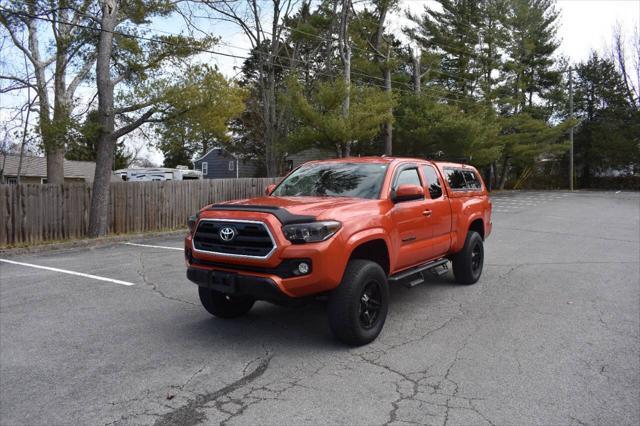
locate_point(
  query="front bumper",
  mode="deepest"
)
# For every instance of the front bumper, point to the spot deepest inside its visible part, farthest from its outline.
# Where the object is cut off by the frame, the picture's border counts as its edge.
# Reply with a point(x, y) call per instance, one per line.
point(327, 260)
point(233, 283)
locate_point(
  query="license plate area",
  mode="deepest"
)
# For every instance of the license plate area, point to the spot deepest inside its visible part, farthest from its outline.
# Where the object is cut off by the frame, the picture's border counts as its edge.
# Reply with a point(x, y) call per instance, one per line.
point(223, 281)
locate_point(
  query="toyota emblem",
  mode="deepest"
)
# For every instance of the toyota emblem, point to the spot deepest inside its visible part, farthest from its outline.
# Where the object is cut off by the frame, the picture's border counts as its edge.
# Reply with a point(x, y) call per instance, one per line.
point(227, 234)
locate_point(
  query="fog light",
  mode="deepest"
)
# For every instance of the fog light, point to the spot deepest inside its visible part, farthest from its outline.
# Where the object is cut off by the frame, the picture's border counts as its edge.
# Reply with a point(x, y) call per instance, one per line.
point(303, 268)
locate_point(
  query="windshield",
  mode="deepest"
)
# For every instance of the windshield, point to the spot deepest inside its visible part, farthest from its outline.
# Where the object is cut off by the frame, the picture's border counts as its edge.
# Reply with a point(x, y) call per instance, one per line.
point(359, 180)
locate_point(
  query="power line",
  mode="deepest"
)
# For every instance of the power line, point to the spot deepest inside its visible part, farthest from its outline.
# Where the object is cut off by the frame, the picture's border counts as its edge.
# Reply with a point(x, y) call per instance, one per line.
point(293, 30)
point(213, 52)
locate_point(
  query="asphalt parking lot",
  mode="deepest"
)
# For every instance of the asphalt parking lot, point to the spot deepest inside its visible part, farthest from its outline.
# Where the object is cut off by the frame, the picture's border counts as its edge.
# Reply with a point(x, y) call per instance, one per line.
point(550, 335)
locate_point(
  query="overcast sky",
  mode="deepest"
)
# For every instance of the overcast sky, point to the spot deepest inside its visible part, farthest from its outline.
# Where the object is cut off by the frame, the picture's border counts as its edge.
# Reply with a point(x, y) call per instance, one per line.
point(585, 25)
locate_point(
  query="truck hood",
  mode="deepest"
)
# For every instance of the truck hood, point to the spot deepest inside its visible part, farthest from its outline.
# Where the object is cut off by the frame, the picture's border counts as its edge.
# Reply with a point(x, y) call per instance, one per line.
point(319, 207)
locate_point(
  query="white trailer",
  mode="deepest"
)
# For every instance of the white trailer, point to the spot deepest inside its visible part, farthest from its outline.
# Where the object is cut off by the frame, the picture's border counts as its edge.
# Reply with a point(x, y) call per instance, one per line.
point(157, 174)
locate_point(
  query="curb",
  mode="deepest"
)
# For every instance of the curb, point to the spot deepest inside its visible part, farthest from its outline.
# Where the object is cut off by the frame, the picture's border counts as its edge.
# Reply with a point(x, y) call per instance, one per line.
point(86, 243)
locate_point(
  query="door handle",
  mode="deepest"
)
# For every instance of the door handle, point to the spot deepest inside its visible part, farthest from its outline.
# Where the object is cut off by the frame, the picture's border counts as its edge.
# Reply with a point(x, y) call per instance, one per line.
point(427, 213)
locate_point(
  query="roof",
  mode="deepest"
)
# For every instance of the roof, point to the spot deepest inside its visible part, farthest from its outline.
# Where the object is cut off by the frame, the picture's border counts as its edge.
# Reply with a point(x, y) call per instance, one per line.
point(387, 160)
point(210, 151)
point(371, 159)
point(37, 166)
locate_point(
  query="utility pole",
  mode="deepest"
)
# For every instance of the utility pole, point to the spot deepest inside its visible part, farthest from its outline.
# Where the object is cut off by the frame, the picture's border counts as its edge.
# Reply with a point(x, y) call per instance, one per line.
point(571, 129)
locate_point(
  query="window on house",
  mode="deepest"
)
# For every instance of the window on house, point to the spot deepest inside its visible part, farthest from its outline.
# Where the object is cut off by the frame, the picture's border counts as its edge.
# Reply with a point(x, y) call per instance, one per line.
point(205, 168)
point(231, 165)
point(12, 180)
point(43, 180)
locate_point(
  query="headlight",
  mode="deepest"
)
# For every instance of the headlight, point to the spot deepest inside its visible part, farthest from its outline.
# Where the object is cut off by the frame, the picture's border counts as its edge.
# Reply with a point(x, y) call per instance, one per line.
point(191, 222)
point(310, 232)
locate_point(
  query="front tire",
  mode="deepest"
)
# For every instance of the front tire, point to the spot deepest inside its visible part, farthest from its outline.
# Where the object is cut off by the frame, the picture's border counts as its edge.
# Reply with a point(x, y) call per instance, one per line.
point(358, 306)
point(223, 305)
point(468, 263)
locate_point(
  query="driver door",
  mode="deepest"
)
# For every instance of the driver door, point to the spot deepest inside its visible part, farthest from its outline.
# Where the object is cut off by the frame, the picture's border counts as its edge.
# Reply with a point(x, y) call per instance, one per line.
point(412, 232)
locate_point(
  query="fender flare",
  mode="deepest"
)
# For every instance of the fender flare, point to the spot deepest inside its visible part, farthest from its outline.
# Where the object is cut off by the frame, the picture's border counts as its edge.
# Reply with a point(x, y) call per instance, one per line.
point(460, 236)
point(366, 235)
point(473, 218)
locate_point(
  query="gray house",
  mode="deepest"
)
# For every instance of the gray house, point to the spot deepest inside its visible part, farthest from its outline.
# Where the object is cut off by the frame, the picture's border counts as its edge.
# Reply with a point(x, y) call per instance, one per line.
point(34, 169)
point(310, 154)
point(218, 164)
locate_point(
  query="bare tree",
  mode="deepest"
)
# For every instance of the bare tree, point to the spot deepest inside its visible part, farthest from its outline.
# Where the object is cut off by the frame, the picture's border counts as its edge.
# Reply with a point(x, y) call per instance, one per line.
point(344, 44)
point(384, 60)
point(26, 23)
point(619, 56)
point(265, 34)
point(143, 57)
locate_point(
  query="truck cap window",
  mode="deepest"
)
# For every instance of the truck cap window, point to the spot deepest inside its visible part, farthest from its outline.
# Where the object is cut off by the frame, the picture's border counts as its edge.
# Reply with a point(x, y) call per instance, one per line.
point(471, 180)
point(461, 180)
point(359, 180)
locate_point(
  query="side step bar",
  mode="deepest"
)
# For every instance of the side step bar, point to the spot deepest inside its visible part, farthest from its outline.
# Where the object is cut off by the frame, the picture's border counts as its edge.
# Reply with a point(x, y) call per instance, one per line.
point(437, 267)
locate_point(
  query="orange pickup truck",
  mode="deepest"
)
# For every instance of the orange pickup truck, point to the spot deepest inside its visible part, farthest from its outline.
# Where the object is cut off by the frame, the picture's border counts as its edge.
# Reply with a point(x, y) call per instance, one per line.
point(345, 229)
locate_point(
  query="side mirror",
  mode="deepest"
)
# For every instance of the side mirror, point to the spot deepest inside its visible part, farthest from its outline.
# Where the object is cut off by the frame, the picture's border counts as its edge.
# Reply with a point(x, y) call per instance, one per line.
point(269, 189)
point(407, 193)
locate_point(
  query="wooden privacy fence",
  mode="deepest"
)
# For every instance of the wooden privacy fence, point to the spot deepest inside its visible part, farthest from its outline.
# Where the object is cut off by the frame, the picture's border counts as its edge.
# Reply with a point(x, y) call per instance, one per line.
point(36, 213)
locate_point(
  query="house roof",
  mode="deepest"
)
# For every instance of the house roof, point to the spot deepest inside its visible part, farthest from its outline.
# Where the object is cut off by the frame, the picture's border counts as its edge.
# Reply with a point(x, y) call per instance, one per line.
point(37, 167)
point(208, 152)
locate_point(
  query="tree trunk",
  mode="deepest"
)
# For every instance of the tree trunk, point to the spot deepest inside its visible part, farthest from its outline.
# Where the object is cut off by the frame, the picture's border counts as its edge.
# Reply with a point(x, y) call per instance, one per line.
point(345, 56)
point(50, 141)
point(505, 173)
point(98, 214)
point(388, 126)
point(271, 124)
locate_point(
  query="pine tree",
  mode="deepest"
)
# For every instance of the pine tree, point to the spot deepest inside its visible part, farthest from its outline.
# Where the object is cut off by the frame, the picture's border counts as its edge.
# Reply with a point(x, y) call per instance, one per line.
point(84, 146)
point(609, 134)
point(454, 34)
point(532, 28)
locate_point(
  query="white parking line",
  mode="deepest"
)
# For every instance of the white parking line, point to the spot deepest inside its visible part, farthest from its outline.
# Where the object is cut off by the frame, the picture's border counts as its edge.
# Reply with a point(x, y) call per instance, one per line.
point(64, 271)
point(152, 246)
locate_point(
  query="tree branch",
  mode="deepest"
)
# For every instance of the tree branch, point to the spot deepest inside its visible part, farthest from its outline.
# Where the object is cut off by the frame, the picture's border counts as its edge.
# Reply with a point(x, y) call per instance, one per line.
point(124, 130)
point(82, 73)
point(134, 107)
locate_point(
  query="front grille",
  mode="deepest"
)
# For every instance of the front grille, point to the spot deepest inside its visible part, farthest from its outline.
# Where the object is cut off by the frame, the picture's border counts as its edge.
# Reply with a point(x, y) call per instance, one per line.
point(250, 239)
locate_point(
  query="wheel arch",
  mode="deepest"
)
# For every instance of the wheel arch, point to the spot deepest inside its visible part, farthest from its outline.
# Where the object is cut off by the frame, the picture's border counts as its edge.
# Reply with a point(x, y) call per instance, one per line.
point(374, 247)
point(477, 225)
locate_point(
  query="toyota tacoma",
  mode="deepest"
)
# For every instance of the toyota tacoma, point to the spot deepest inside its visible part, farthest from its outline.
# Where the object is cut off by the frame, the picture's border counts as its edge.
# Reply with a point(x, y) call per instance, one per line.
point(344, 229)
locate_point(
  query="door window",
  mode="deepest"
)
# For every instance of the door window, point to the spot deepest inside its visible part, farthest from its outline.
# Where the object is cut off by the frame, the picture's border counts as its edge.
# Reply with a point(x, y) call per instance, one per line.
point(433, 180)
point(408, 177)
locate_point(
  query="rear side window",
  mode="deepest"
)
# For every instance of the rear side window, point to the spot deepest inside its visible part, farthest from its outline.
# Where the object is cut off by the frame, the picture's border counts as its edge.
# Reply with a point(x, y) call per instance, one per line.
point(461, 180)
point(433, 180)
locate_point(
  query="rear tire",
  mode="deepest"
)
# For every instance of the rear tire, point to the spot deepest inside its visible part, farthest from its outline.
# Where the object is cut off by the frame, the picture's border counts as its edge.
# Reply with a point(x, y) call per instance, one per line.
point(468, 263)
point(223, 305)
point(358, 306)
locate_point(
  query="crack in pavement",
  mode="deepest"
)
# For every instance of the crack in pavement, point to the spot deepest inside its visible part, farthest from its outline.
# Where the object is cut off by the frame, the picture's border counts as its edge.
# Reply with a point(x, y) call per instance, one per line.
point(415, 385)
point(235, 407)
point(192, 413)
point(142, 274)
